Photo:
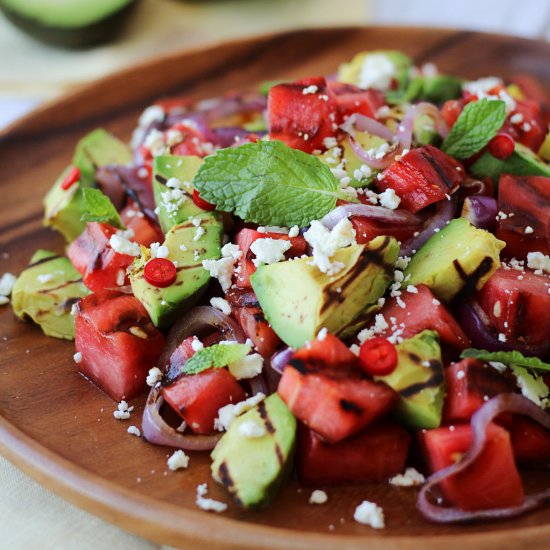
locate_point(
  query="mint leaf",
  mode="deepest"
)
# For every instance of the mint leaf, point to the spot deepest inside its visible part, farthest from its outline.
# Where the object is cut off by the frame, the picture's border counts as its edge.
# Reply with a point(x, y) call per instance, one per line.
point(476, 126)
point(217, 355)
point(532, 386)
point(98, 207)
point(268, 183)
point(510, 358)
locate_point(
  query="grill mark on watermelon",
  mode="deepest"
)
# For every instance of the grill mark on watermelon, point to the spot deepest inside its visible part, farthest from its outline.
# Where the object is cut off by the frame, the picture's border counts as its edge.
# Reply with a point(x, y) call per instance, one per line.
point(470, 281)
point(351, 407)
point(265, 417)
point(440, 172)
point(65, 284)
point(435, 380)
point(44, 261)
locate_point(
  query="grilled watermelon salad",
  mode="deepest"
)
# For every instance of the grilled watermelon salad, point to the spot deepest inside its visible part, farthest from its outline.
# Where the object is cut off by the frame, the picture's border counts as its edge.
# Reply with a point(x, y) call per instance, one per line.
point(342, 278)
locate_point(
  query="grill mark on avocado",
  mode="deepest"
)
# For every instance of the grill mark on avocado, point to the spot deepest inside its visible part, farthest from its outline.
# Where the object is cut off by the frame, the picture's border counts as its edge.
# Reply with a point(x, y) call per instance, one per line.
point(351, 407)
point(44, 261)
point(161, 179)
point(414, 358)
point(184, 267)
point(470, 281)
point(227, 481)
point(67, 305)
point(67, 283)
point(279, 454)
point(437, 168)
point(265, 417)
point(435, 380)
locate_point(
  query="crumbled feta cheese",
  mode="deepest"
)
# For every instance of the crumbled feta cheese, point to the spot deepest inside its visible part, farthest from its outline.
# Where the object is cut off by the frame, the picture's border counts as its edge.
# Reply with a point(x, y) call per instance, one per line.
point(538, 260)
point(231, 250)
point(322, 334)
point(196, 344)
point(369, 513)
point(377, 71)
point(325, 243)
point(516, 118)
point(222, 270)
point(6, 284)
point(178, 460)
point(482, 86)
point(310, 90)
point(269, 251)
point(154, 113)
point(411, 478)
point(318, 497)
point(134, 430)
point(173, 137)
point(388, 199)
point(380, 325)
point(500, 367)
point(247, 367)
point(294, 231)
point(497, 309)
point(123, 411)
point(460, 375)
point(528, 230)
point(154, 376)
point(412, 289)
point(227, 414)
point(250, 429)
point(354, 348)
point(208, 504)
point(77, 357)
point(502, 337)
point(154, 141)
point(221, 304)
point(119, 243)
point(159, 251)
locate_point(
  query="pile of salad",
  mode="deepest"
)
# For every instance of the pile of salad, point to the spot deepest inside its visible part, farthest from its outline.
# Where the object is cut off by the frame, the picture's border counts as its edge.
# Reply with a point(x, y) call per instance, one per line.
point(343, 278)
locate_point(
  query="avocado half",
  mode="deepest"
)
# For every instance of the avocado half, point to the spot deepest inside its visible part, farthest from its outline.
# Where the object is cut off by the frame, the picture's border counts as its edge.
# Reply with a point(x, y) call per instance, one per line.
point(68, 23)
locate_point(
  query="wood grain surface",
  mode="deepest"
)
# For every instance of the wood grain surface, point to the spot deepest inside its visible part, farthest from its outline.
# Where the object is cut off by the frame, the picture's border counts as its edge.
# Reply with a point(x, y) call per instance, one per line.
point(60, 429)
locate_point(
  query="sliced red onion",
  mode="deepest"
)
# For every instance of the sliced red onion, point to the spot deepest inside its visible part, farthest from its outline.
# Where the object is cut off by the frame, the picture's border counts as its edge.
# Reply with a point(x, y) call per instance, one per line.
point(480, 211)
point(258, 384)
point(364, 123)
point(378, 213)
point(473, 186)
point(373, 161)
point(444, 213)
point(475, 323)
point(157, 431)
point(228, 135)
point(280, 359)
point(503, 403)
point(199, 321)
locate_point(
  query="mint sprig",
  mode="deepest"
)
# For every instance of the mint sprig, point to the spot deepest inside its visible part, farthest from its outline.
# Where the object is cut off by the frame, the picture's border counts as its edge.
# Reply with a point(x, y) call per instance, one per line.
point(97, 207)
point(217, 355)
point(509, 358)
point(476, 126)
point(268, 183)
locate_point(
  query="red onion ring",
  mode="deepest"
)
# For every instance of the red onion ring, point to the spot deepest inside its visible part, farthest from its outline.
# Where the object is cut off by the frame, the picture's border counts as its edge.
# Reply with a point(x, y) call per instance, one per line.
point(280, 359)
point(364, 123)
point(445, 212)
point(379, 164)
point(405, 128)
point(506, 402)
point(480, 211)
point(379, 213)
point(158, 432)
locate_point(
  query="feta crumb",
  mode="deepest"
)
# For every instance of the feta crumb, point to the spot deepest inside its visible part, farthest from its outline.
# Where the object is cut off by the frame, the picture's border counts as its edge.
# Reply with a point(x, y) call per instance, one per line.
point(412, 289)
point(388, 199)
point(250, 429)
point(123, 411)
point(318, 497)
point(460, 375)
point(196, 344)
point(231, 250)
point(178, 460)
point(154, 376)
point(153, 113)
point(222, 270)
point(294, 231)
point(322, 334)
point(6, 284)
point(369, 513)
point(411, 478)
point(247, 367)
point(502, 337)
point(528, 230)
point(538, 260)
point(134, 430)
point(119, 243)
point(221, 304)
point(208, 504)
point(227, 414)
point(497, 309)
point(77, 357)
point(159, 251)
point(377, 71)
point(354, 348)
point(269, 251)
point(310, 90)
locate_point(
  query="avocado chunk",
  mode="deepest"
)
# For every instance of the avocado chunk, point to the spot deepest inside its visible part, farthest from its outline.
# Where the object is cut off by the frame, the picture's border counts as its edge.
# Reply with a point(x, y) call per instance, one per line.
point(63, 209)
point(298, 299)
point(99, 148)
point(253, 469)
point(522, 162)
point(174, 201)
point(460, 258)
point(419, 380)
point(544, 150)
point(188, 245)
point(46, 291)
point(69, 23)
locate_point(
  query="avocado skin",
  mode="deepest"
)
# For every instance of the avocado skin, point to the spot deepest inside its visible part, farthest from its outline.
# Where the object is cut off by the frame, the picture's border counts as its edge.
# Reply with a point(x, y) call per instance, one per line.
point(255, 470)
point(74, 38)
point(421, 388)
point(522, 162)
point(298, 299)
point(49, 303)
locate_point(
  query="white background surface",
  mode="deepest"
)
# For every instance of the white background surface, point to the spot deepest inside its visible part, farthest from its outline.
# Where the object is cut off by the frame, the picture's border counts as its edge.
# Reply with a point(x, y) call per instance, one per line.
point(30, 516)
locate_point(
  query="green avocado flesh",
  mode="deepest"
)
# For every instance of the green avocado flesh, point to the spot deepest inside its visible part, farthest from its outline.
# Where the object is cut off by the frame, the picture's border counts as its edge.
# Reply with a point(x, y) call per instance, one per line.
point(298, 299)
point(254, 469)
point(46, 291)
point(174, 211)
point(63, 208)
point(419, 379)
point(457, 257)
point(164, 305)
point(522, 162)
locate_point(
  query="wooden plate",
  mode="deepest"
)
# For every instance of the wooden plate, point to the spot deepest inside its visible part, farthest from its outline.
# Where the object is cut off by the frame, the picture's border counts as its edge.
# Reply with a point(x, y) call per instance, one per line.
point(60, 429)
